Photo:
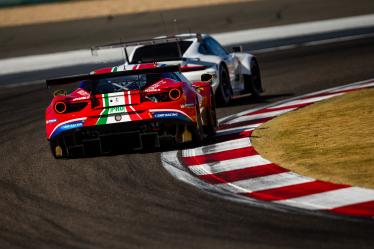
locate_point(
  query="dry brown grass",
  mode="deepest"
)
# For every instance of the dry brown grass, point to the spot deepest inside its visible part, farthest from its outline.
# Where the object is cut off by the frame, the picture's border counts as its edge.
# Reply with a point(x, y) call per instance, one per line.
point(331, 140)
point(93, 8)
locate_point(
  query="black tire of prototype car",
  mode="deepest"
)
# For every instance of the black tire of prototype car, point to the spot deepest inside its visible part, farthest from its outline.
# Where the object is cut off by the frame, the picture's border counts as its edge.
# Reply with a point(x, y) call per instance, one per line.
point(253, 83)
point(224, 91)
point(211, 118)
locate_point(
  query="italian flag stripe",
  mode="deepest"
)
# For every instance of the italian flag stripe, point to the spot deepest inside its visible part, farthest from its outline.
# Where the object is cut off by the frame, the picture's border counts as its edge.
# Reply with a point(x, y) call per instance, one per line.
point(104, 114)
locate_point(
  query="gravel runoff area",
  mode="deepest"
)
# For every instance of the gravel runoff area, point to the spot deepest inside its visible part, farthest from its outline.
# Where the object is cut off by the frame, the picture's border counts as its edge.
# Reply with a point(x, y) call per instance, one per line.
point(75, 10)
point(330, 141)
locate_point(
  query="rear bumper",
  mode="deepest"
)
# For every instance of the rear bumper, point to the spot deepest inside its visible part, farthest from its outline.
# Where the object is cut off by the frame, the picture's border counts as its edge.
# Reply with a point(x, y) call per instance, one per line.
point(113, 138)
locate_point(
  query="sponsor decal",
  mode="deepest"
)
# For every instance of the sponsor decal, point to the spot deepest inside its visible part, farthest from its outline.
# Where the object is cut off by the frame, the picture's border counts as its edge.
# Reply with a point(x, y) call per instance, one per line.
point(188, 105)
point(171, 115)
point(114, 99)
point(152, 90)
point(154, 87)
point(117, 109)
point(83, 93)
point(72, 125)
point(49, 121)
point(68, 126)
point(80, 98)
point(166, 115)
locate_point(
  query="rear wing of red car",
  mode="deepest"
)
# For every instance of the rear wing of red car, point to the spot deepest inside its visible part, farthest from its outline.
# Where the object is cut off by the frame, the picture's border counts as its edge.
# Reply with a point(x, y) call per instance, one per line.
point(82, 77)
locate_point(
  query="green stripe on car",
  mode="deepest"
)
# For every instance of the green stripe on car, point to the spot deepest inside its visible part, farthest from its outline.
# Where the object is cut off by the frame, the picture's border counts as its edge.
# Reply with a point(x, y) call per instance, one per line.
point(104, 114)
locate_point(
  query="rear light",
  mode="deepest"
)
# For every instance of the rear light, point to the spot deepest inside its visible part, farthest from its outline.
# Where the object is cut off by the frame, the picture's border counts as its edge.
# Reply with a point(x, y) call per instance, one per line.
point(192, 68)
point(62, 107)
point(175, 94)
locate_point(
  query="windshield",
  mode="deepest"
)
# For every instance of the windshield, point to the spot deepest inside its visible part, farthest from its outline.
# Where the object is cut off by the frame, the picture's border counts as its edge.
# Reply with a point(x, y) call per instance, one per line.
point(160, 52)
point(124, 83)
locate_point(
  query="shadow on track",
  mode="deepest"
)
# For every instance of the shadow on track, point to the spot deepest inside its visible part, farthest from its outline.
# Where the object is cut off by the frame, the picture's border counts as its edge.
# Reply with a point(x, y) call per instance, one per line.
point(263, 99)
point(117, 151)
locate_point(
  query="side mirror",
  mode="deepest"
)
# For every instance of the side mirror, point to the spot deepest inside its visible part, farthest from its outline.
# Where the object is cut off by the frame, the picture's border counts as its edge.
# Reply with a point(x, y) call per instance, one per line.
point(237, 49)
point(206, 77)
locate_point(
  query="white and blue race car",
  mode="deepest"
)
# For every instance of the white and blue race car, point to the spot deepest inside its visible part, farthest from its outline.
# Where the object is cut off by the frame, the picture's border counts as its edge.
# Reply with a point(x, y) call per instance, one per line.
point(234, 73)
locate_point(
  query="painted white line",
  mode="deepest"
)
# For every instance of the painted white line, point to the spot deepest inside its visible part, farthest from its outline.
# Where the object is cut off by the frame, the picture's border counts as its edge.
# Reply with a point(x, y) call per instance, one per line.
point(331, 199)
point(218, 147)
point(306, 101)
point(84, 56)
point(28, 83)
point(371, 84)
point(339, 39)
point(259, 116)
point(265, 182)
point(313, 43)
point(293, 30)
point(237, 129)
point(267, 50)
point(229, 165)
point(55, 60)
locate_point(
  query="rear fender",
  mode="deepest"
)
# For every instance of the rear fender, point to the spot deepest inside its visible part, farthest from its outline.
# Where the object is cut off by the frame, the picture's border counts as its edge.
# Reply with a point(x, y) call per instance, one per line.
point(245, 60)
point(203, 89)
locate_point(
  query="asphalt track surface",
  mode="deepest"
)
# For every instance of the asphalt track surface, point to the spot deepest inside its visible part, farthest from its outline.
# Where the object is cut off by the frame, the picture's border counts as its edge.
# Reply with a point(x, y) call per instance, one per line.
point(130, 201)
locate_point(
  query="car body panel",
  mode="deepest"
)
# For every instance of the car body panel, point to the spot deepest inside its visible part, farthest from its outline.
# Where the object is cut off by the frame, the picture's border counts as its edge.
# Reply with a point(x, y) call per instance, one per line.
point(166, 101)
point(237, 63)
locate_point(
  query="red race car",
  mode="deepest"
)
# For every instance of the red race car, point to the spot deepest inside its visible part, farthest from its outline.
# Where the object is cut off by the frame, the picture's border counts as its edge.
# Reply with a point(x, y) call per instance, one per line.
point(146, 107)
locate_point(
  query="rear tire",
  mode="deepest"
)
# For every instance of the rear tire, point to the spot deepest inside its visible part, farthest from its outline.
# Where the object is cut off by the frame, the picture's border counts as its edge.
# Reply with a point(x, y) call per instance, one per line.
point(224, 90)
point(253, 82)
point(57, 150)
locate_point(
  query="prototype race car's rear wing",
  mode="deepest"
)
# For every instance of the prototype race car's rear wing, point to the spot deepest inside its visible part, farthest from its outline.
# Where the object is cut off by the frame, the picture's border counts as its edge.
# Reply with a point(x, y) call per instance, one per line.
point(77, 78)
point(153, 41)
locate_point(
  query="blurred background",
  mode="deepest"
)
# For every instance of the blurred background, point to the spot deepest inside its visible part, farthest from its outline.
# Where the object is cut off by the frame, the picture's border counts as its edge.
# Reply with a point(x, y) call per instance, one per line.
point(33, 27)
point(38, 27)
point(130, 201)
